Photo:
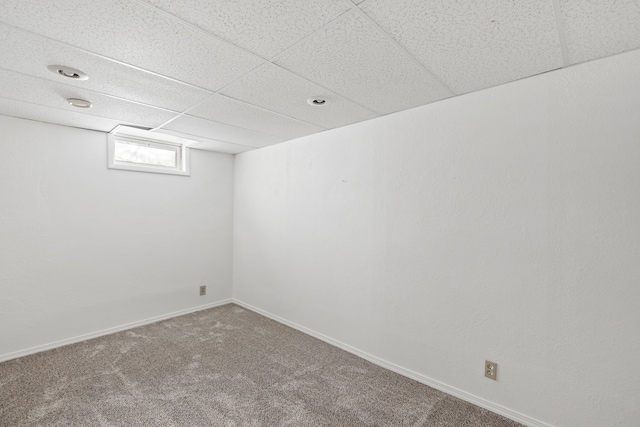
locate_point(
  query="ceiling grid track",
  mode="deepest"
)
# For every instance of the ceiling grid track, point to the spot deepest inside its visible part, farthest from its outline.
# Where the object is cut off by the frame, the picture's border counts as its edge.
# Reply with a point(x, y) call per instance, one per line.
point(178, 113)
point(276, 54)
point(107, 58)
point(119, 98)
point(393, 41)
point(352, 8)
point(153, 73)
point(271, 60)
point(195, 138)
point(84, 113)
point(195, 27)
point(326, 26)
point(186, 112)
point(225, 124)
point(562, 36)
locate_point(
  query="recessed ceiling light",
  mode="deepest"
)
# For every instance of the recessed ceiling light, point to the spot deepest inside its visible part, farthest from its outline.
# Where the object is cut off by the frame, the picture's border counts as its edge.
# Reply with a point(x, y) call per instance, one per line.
point(317, 101)
point(68, 72)
point(80, 103)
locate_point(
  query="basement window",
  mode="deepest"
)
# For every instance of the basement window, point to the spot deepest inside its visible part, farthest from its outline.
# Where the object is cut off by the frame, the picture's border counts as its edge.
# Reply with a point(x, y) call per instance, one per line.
point(143, 151)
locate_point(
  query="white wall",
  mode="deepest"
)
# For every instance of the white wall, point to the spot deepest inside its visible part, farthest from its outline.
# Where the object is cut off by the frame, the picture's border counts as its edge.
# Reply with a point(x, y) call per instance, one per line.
point(84, 248)
point(500, 225)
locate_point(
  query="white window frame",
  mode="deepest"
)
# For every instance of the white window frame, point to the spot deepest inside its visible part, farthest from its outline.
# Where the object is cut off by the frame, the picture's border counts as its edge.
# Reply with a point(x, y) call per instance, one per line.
point(138, 136)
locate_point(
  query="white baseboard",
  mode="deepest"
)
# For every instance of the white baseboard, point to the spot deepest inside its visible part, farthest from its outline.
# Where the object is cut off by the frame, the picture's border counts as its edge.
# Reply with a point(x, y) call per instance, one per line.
point(468, 397)
point(498, 409)
point(56, 344)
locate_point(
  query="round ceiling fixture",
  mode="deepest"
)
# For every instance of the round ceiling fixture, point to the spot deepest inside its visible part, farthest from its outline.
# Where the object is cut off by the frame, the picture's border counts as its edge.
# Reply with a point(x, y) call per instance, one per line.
point(317, 101)
point(80, 103)
point(68, 72)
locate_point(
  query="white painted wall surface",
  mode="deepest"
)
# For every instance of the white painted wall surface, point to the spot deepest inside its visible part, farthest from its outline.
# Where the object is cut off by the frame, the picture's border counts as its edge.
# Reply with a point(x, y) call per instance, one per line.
point(84, 248)
point(500, 225)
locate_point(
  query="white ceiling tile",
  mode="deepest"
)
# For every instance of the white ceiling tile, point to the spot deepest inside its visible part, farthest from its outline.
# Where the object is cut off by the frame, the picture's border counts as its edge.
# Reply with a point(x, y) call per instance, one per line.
point(359, 62)
point(228, 110)
point(476, 44)
point(43, 92)
point(209, 144)
point(265, 27)
point(25, 110)
point(595, 29)
point(329, 49)
point(277, 89)
point(221, 147)
point(222, 132)
point(136, 34)
point(29, 53)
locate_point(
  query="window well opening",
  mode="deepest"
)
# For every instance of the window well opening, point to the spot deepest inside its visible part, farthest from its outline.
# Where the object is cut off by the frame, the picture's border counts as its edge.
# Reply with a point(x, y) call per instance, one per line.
point(141, 150)
point(146, 153)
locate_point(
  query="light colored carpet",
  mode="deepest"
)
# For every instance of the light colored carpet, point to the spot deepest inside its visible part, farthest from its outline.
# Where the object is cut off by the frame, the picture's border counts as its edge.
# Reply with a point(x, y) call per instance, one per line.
point(225, 366)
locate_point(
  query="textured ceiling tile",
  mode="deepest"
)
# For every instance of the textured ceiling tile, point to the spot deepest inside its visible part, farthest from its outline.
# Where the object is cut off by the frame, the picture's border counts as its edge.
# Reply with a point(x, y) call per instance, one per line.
point(472, 45)
point(222, 132)
point(38, 91)
point(357, 61)
point(265, 27)
point(277, 89)
point(221, 147)
point(41, 113)
point(228, 110)
point(595, 28)
point(209, 144)
point(135, 34)
point(31, 54)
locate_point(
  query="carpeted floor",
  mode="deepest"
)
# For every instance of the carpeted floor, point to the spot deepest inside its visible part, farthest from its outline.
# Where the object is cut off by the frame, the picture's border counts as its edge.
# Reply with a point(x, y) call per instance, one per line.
point(225, 366)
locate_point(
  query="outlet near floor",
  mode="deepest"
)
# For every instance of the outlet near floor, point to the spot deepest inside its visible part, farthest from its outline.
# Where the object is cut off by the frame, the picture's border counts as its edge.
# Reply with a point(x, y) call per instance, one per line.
point(491, 370)
point(203, 290)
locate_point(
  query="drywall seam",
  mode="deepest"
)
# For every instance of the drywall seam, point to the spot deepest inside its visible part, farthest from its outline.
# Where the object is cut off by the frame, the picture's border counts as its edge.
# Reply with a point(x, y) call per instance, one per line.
point(468, 397)
point(84, 337)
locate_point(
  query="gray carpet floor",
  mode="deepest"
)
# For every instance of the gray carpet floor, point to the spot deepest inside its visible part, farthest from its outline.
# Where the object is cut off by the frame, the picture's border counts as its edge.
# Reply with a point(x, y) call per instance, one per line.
point(226, 366)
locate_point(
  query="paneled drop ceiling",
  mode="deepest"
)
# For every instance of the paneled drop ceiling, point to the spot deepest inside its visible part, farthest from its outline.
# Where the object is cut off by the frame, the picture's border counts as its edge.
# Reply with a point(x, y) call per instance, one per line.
point(236, 74)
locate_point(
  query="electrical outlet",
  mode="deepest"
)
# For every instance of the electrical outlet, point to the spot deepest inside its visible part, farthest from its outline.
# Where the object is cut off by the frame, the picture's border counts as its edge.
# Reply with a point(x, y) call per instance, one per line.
point(491, 370)
point(203, 290)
